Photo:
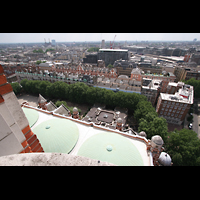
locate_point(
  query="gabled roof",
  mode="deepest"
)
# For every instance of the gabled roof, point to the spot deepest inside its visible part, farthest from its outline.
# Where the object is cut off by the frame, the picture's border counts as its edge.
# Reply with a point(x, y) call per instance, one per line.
point(41, 99)
point(62, 110)
point(51, 106)
point(136, 71)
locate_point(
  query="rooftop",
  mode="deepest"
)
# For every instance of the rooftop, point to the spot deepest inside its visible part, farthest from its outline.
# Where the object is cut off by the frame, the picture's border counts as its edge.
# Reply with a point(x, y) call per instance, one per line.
point(125, 50)
point(63, 134)
point(184, 95)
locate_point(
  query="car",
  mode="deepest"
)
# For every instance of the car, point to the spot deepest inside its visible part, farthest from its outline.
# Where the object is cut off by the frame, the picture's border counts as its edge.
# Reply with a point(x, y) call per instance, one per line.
point(190, 125)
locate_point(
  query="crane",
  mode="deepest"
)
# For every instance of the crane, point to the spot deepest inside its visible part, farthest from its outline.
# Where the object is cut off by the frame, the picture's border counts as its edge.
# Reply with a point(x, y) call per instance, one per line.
point(111, 44)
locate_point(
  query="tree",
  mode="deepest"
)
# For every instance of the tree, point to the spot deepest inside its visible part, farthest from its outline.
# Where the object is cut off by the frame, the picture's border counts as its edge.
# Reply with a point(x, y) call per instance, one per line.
point(38, 51)
point(59, 103)
point(42, 87)
point(23, 83)
point(110, 66)
point(16, 87)
point(152, 125)
point(184, 147)
point(58, 90)
point(143, 108)
point(91, 95)
point(93, 49)
point(196, 84)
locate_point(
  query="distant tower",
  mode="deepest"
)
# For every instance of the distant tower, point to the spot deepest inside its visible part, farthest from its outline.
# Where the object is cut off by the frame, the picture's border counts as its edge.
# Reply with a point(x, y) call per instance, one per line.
point(103, 44)
point(75, 113)
point(119, 124)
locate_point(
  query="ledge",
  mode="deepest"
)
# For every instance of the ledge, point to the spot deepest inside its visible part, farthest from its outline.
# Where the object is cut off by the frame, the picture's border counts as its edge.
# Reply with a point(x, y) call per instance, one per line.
point(49, 159)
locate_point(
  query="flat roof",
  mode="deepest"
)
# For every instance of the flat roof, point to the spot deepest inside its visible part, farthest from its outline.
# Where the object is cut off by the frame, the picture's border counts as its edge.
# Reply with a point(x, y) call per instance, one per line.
point(125, 50)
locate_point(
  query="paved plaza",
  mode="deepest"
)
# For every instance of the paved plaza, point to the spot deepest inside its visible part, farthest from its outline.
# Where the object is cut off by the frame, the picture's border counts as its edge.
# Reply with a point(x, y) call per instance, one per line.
point(32, 100)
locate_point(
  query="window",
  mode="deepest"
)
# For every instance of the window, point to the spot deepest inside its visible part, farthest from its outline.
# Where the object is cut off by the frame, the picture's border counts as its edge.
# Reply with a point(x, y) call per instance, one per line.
point(161, 112)
point(162, 109)
point(166, 109)
point(181, 112)
point(170, 110)
point(165, 113)
point(169, 102)
point(172, 114)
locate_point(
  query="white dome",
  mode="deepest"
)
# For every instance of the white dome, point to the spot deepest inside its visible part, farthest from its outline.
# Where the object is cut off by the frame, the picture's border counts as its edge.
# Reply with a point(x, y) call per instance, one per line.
point(75, 109)
point(157, 140)
point(143, 134)
point(119, 120)
point(164, 159)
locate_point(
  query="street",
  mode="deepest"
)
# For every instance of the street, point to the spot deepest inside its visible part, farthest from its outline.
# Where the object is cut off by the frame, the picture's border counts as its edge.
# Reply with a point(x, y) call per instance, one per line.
point(196, 118)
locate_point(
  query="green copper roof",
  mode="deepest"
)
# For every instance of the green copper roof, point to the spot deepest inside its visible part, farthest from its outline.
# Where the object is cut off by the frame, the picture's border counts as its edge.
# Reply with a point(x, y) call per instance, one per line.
point(57, 135)
point(31, 115)
point(113, 148)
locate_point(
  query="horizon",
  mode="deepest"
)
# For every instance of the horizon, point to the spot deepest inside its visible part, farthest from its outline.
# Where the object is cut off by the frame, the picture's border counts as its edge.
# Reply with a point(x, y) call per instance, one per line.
point(7, 38)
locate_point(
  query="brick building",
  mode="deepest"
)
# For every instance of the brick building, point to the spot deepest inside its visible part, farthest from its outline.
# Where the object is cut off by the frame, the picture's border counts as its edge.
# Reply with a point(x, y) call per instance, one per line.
point(175, 104)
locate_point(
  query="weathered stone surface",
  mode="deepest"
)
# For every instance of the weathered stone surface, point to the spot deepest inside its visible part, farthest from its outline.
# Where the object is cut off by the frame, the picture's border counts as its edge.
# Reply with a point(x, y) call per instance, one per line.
point(49, 159)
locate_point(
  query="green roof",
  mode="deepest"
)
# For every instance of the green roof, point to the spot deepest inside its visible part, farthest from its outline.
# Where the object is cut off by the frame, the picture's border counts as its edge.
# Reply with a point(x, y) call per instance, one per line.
point(57, 135)
point(31, 115)
point(113, 148)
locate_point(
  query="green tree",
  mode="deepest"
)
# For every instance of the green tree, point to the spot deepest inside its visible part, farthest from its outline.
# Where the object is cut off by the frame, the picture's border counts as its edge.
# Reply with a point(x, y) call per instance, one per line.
point(153, 125)
point(38, 51)
point(91, 95)
point(196, 84)
point(42, 87)
point(184, 147)
point(38, 62)
point(93, 49)
point(57, 89)
point(100, 95)
point(23, 83)
point(143, 108)
point(16, 87)
point(59, 103)
point(110, 66)
point(78, 92)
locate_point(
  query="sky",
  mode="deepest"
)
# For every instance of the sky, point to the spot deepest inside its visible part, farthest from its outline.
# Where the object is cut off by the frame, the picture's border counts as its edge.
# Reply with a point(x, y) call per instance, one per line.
point(71, 37)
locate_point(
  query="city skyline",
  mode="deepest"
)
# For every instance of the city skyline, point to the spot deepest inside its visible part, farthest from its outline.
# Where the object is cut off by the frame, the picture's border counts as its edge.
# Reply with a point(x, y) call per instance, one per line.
point(87, 37)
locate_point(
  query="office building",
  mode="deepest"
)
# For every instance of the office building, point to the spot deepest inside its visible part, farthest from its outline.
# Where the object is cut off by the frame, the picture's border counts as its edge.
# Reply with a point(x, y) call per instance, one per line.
point(175, 104)
point(111, 55)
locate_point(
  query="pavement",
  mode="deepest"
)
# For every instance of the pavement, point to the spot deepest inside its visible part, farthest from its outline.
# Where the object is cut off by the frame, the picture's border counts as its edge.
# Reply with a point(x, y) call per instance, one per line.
point(32, 100)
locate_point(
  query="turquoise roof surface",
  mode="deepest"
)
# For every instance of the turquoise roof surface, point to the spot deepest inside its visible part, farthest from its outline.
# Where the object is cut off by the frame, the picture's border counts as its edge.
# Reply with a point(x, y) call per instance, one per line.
point(31, 115)
point(113, 148)
point(57, 135)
